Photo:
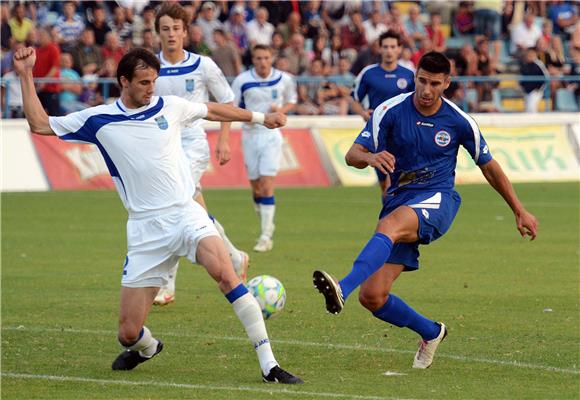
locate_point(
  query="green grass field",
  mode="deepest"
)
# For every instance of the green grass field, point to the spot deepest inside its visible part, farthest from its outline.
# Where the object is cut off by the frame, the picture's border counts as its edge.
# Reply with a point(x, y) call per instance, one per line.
point(512, 306)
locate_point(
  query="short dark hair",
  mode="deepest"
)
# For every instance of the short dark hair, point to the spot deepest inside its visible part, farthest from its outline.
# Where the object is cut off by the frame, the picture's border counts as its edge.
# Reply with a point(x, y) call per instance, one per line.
point(137, 58)
point(219, 31)
point(390, 34)
point(173, 10)
point(435, 62)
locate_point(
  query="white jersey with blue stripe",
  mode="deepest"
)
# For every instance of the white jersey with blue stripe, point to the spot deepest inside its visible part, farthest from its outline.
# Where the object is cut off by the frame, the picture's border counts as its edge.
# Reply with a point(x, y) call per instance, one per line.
point(259, 94)
point(193, 79)
point(425, 147)
point(141, 147)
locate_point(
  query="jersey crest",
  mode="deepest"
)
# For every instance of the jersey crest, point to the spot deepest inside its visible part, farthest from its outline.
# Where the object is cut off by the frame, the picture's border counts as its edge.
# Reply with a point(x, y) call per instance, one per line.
point(274, 93)
point(162, 122)
point(442, 138)
point(189, 85)
point(402, 83)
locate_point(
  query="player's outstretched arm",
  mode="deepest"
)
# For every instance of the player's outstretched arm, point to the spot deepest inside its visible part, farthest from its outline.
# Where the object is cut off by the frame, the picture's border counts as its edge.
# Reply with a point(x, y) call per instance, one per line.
point(228, 113)
point(526, 223)
point(360, 157)
point(37, 118)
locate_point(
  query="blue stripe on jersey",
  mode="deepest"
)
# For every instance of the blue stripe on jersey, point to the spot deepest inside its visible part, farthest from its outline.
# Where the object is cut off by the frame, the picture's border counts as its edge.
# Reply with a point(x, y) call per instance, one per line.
point(249, 85)
point(88, 132)
point(174, 71)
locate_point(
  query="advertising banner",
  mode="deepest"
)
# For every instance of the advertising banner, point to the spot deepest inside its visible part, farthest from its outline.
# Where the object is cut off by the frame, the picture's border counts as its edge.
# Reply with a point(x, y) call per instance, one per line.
point(300, 165)
point(72, 166)
point(337, 142)
point(527, 154)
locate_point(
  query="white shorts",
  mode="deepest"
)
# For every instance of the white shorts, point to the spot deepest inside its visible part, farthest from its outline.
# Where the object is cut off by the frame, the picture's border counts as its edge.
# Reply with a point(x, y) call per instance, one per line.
point(197, 152)
point(156, 242)
point(262, 153)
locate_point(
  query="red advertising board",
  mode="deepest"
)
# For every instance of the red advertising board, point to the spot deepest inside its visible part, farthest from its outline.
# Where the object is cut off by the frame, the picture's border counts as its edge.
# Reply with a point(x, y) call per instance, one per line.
point(71, 166)
point(300, 166)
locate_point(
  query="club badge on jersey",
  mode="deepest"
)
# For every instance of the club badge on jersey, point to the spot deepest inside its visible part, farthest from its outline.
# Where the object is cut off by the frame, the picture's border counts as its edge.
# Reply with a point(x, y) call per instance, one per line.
point(274, 93)
point(189, 85)
point(162, 122)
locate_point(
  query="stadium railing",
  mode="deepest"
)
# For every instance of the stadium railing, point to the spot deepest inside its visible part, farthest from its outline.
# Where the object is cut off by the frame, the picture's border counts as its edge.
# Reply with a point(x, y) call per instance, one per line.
point(339, 79)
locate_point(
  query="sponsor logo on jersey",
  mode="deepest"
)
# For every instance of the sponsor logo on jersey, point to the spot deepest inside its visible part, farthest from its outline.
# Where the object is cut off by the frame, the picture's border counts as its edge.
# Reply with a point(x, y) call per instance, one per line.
point(402, 83)
point(365, 134)
point(162, 122)
point(428, 124)
point(425, 213)
point(442, 138)
point(485, 150)
point(189, 85)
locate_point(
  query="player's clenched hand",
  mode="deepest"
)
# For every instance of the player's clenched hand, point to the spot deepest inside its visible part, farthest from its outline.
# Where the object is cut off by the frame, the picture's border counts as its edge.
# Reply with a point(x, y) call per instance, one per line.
point(24, 60)
point(383, 161)
point(274, 120)
point(527, 224)
point(223, 152)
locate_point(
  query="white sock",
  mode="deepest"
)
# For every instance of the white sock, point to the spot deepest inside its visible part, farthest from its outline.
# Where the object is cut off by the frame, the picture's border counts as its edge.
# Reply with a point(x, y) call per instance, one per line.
point(234, 252)
point(171, 281)
point(248, 311)
point(146, 345)
point(267, 212)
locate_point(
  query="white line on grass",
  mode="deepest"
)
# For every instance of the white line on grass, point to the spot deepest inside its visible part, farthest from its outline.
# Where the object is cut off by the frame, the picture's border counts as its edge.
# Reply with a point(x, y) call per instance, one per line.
point(271, 390)
point(517, 364)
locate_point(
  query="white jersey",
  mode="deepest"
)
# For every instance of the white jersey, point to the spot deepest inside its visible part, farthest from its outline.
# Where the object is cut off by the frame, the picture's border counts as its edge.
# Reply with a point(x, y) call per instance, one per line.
point(141, 147)
point(193, 79)
point(259, 94)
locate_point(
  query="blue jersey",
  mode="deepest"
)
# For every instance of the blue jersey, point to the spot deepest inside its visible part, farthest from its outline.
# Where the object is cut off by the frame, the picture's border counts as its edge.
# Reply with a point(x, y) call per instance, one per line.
point(425, 148)
point(378, 84)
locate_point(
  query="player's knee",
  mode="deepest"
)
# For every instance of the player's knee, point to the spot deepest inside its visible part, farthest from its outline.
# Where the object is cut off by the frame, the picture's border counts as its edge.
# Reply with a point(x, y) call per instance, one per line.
point(128, 335)
point(372, 300)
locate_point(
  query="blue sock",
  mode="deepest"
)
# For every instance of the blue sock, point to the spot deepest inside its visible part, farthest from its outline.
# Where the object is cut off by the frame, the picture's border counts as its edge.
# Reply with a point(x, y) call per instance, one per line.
point(374, 255)
point(395, 311)
point(257, 200)
point(270, 200)
point(236, 292)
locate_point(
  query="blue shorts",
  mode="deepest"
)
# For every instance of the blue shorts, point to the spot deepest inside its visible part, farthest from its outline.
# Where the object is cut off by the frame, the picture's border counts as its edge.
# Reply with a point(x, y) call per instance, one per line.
point(436, 211)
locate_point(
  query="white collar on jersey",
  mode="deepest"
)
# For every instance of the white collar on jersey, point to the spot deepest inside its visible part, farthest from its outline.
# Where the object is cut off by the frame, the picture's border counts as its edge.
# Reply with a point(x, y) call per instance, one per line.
point(186, 57)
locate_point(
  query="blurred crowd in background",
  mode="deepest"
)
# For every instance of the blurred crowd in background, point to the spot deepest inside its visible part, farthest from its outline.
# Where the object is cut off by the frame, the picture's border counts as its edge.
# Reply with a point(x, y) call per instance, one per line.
point(324, 44)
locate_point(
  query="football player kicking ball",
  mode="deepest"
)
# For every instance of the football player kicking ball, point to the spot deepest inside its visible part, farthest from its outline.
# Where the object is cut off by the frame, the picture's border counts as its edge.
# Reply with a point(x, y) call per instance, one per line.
point(415, 138)
point(139, 138)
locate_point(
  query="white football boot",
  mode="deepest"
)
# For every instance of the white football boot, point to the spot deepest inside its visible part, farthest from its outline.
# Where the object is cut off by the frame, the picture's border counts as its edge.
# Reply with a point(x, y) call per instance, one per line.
point(264, 244)
point(241, 267)
point(427, 348)
point(164, 296)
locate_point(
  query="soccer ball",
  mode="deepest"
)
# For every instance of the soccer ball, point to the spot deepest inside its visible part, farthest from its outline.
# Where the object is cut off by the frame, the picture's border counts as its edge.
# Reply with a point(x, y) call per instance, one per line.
point(270, 294)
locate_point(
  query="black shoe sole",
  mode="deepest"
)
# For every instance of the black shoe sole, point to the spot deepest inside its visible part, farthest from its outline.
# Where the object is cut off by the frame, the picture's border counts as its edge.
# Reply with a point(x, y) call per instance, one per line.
point(140, 360)
point(325, 285)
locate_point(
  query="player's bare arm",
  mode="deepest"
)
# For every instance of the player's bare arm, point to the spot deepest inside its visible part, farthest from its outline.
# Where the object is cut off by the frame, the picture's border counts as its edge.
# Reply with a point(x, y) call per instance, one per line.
point(222, 150)
point(526, 223)
point(285, 109)
point(228, 113)
point(37, 118)
point(360, 157)
point(359, 109)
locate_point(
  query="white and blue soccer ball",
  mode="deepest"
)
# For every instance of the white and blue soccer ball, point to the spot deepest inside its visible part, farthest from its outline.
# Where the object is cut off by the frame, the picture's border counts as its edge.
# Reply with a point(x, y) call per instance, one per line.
point(270, 294)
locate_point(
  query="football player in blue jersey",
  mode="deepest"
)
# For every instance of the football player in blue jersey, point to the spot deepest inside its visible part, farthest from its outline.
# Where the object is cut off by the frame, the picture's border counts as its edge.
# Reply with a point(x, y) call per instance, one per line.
point(414, 138)
point(379, 82)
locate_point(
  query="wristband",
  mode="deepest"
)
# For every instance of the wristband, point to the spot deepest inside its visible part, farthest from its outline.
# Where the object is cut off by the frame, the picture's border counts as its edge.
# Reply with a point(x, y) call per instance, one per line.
point(258, 118)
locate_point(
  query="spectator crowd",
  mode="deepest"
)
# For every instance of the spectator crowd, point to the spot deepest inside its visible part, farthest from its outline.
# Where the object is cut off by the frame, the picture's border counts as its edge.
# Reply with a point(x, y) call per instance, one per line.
point(324, 44)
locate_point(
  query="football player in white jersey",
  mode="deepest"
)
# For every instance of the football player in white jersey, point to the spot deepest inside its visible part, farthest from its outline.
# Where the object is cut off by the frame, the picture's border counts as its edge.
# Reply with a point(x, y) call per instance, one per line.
point(139, 139)
point(192, 77)
point(263, 89)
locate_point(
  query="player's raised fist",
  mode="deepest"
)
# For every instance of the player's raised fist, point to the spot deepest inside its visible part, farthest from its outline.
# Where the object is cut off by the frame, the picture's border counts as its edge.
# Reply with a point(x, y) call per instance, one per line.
point(24, 60)
point(274, 120)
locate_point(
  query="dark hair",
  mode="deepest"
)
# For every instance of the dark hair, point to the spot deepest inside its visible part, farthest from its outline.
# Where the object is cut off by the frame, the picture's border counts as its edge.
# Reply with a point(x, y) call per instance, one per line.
point(435, 62)
point(137, 58)
point(219, 31)
point(172, 10)
point(390, 34)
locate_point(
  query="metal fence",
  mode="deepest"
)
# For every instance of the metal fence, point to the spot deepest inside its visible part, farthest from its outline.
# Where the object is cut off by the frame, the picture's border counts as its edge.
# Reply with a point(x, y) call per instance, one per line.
point(503, 90)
